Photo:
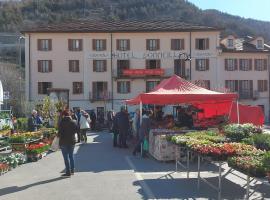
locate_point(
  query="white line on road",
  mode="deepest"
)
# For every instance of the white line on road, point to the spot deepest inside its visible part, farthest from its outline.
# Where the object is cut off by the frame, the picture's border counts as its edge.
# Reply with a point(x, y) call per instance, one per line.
point(139, 177)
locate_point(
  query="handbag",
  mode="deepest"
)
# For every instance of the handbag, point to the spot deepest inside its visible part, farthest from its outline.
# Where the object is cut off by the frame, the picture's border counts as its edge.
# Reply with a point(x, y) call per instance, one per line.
point(55, 144)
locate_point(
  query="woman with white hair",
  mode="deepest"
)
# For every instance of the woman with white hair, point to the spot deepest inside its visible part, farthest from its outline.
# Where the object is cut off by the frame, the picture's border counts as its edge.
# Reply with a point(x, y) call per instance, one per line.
point(32, 122)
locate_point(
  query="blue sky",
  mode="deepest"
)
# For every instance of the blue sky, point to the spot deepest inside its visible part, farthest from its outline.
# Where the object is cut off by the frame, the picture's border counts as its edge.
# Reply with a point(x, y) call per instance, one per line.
point(256, 9)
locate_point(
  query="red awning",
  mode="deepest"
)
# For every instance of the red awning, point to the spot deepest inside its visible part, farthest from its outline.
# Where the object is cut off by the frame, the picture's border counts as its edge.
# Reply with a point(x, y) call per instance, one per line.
point(176, 90)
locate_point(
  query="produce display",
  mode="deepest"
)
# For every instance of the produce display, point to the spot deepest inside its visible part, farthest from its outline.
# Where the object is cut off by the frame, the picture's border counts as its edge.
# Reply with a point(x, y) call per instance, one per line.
point(37, 148)
point(3, 168)
point(13, 160)
point(25, 137)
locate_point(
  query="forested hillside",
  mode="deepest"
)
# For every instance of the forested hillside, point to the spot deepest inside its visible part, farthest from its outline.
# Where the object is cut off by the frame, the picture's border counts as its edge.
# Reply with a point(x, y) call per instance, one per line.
point(15, 15)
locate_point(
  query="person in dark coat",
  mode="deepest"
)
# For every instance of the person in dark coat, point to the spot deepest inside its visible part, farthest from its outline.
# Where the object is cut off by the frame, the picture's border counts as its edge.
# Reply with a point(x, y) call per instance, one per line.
point(122, 120)
point(78, 116)
point(115, 132)
point(143, 131)
point(93, 118)
point(32, 122)
point(66, 134)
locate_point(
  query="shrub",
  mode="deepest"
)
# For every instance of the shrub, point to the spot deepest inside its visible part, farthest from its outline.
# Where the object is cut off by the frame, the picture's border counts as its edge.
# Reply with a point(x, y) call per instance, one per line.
point(260, 141)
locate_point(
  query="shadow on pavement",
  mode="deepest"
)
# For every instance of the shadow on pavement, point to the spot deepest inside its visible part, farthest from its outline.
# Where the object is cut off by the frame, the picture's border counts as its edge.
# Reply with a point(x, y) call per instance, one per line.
point(14, 189)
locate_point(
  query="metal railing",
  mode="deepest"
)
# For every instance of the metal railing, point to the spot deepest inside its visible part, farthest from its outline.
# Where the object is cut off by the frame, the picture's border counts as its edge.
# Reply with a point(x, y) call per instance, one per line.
point(100, 96)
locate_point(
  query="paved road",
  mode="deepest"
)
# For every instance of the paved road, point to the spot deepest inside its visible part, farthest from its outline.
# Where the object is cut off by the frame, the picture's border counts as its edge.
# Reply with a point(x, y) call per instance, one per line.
point(107, 173)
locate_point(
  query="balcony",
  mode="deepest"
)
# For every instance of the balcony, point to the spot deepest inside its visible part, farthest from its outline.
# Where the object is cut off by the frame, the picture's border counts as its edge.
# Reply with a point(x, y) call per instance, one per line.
point(100, 96)
point(246, 94)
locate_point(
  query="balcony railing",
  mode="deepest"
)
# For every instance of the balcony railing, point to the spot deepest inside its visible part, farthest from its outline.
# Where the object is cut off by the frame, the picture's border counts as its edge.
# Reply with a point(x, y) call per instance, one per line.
point(100, 96)
point(246, 94)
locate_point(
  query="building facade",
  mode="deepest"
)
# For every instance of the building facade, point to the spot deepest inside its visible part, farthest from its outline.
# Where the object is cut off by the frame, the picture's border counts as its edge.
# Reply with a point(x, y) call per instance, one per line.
point(102, 64)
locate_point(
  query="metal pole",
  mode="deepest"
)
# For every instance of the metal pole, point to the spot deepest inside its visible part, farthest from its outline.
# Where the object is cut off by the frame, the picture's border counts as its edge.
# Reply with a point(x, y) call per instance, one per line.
point(219, 181)
point(187, 163)
point(248, 185)
point(112, 72)
point(140, 112)
point(199, 163)
point(238, 117)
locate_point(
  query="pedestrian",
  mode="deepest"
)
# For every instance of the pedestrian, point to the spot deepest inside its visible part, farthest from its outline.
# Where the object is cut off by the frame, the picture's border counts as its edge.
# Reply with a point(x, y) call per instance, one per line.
point(93, 118)
point(143, 131)
point(115, 131)
point(122, 120)
point(78, 115)
point(110, 119)
point(84, 125)
point(66, 134)
point(136, 124)
point(32, 122)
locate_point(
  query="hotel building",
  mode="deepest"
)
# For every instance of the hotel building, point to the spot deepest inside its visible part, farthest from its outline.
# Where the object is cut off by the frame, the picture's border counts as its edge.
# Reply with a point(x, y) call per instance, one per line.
point(101, 64)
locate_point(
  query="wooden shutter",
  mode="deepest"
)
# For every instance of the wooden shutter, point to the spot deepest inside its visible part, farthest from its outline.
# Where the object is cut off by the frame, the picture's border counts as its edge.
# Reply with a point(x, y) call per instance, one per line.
point(118, 44)
point(70, 65)
point(39, 44)
point(158, 64)
point(70, 45)
point(94, 90)
point(183, 67)
point(250, 64)
point(158, 44)
point(94, 44)
point(39, 87)
point(256, 64)
point(50, 44)
point(226, 64)
point(236, 87)
point(94, 65)
point(77, 66)
point(173, 44)
point(104, 45)
point(251, 87)
point(227, 84)
point(207, 64)
point(265, 82)
point(182, 44)
point(235, 64)
point(118, 87)
point(127, 63)
point(128, 44)
point(80, 45)
point(105, 86)
point(104, 65)
point(81, 87)
point(147, 64)
point(128, 86)
point(39, 65)
point(50, 65)
point(265, 64)
point(197, 65)
point(240, 64)
point(196, 43)
point(207, 43)
point(148, 44)
point(260, 88)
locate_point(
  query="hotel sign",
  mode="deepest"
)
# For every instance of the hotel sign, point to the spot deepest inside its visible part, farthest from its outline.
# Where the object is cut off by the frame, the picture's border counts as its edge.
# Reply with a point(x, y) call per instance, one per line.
point(143, 72)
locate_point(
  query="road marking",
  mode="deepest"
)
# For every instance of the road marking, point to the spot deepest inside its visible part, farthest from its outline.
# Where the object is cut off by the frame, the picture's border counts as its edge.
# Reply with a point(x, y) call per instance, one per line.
point(139, 177)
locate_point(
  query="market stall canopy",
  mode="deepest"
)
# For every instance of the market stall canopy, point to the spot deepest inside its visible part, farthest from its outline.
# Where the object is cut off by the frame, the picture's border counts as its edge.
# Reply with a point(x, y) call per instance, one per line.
point(1, 93)
point(176, 90)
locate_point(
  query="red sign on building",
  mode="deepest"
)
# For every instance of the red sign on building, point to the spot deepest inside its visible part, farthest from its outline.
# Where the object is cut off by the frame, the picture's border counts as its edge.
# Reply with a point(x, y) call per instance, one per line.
point(143, 72)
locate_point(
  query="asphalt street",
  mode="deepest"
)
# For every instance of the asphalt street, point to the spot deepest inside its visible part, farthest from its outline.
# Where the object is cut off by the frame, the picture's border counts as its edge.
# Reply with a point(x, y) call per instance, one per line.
point(104, 172)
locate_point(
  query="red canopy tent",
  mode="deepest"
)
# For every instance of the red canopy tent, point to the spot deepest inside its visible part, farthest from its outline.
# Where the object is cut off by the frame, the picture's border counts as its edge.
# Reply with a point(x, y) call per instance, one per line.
point(176, 90)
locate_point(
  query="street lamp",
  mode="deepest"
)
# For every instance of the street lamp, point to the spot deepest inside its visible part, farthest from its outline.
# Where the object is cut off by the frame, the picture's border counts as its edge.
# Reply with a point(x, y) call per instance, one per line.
point(20, 67)
point(186, 57)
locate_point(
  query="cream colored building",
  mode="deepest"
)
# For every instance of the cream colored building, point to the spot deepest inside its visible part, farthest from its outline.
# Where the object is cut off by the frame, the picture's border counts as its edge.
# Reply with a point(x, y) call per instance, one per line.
point(104, 63)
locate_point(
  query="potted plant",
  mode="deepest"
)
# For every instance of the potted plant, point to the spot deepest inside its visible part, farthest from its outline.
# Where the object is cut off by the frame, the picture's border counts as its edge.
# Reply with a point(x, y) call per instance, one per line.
point(266, 164)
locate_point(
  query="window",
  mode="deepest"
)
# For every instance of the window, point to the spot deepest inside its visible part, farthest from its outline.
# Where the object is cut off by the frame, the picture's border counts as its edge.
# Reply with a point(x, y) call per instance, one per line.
point(75, 44)
point(99, 45)
point(44, 66)
point(150, 85)
point(43, 87)
point(100, 90)
point(230, 43)
point(202, 64)
point(232, 85)
point(123, 45)
point(245, 64)
point(180, 67)
point(260, 64)
point(74, 66)
point(262, 85)
point(122, 65)
point(246, 89)
point(152, 64)
point(44, 44)
point(259, 44)
point(99, 65)
point(177, 44)
point(202, 44)
point(123, 87)
point(152, 44)
point(203, 83)
point(231, 64)
point(77, 87)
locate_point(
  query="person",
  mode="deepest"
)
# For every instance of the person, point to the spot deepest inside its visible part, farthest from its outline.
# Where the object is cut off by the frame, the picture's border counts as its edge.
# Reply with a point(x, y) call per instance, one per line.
point(143, 131)
point(66, 134)
point(110, 119)
point(93, 118)
point(122, 120)
point(78, 116)
point(115, 132)
point(136, 124)
point(32, 122)
point(84, 125)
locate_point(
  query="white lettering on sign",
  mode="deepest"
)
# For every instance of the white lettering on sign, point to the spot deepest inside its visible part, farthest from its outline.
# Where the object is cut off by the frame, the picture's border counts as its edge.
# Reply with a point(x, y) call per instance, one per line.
point(138, 55)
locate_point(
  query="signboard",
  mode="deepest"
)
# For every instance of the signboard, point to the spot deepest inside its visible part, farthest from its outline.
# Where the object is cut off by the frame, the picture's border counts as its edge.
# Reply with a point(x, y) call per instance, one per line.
point(143, 72)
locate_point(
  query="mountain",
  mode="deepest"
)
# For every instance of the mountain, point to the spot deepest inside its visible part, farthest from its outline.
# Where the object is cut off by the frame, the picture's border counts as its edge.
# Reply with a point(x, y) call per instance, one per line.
point(26, 13)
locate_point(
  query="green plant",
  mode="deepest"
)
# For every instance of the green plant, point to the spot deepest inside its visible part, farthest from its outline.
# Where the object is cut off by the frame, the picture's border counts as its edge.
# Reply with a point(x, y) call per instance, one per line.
point(22, 124)
point(266, 161)
point(238, 132)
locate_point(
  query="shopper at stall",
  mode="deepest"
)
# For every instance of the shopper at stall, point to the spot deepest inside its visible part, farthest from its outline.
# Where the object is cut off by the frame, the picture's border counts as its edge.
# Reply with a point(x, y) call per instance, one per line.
point(115, 131)
point(78, 115)
point(32, 122)
point(143, 131)
point(84, 125)
point(110, 117)
point(93, 118)
point(136, 124)
point(122, 120)
point(66, 134)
